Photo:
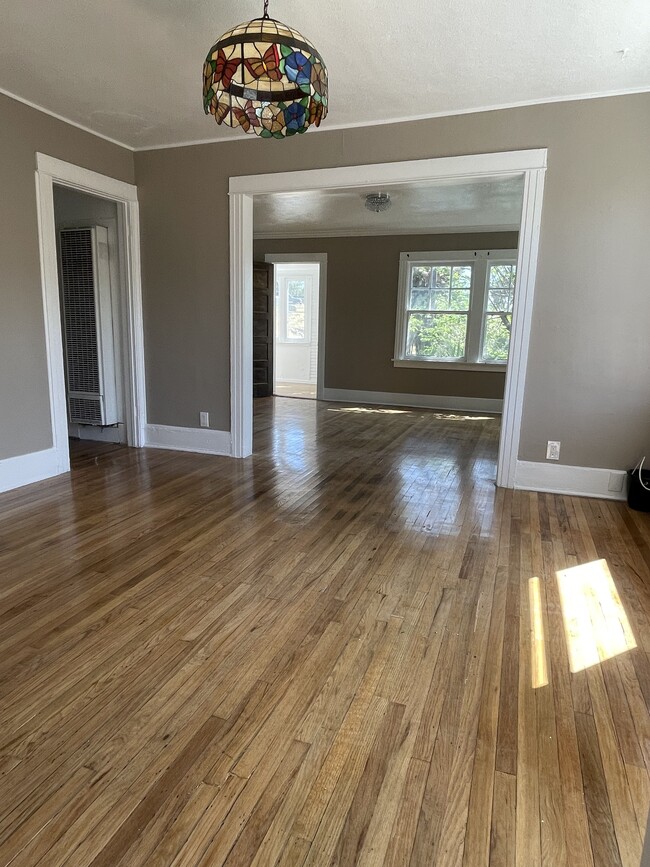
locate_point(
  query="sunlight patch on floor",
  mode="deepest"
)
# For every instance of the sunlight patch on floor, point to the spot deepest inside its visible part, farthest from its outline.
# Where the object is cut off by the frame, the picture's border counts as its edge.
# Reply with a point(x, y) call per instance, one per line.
point(367, 409)
point(595, 622)
point(539, 665)
point(455, 417)
point(306, 390)
point(448, 416)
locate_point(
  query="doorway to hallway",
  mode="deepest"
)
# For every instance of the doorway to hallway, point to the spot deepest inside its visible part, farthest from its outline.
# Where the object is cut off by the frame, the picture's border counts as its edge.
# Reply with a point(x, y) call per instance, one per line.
point(296, 343)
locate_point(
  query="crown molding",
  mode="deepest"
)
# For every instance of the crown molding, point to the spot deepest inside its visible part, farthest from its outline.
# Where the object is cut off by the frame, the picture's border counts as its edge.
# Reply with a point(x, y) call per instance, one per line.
point(382, 232)
point(578, 97)
point(630, 91)
point(64, 119)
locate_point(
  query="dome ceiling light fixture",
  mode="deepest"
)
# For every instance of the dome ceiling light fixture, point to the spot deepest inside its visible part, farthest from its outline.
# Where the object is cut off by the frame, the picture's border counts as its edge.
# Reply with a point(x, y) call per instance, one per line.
point(266, 78)
point(378, 202)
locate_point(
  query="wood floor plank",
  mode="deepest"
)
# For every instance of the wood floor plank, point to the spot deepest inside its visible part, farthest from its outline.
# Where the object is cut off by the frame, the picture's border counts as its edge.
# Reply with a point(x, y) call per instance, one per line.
point(604, 845)
point(350, 843)
point(503, 833)
point(528, 824)
point(576, 831)
point(623, 815)
point(477, 839)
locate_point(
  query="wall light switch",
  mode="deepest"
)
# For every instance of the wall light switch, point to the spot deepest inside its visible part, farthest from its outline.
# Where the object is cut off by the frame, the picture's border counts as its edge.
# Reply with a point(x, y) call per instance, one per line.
point(552, 451)
point(205, 419)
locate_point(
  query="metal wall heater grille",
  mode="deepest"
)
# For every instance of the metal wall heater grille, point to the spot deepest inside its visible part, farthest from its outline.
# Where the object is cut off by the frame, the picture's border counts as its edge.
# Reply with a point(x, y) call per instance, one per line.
point(85, 409)
point(80, 319)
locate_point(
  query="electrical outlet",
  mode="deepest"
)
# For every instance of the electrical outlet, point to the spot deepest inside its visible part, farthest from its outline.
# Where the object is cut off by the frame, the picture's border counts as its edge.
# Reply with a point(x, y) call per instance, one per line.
point(552, 451)
point(205, 419)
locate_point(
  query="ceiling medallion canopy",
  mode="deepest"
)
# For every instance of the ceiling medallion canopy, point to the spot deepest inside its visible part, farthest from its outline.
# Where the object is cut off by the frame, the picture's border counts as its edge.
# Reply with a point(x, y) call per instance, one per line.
point(266, 78)
point(378, 202)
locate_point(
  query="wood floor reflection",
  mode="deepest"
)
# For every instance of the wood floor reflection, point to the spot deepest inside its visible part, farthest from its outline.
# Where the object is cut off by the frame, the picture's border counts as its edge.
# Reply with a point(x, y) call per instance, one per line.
point(329, 653)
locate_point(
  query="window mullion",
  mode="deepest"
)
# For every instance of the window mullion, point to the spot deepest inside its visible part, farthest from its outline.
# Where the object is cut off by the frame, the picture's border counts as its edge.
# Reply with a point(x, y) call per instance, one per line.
point(477, 308)
point(283, 308)
point(307, 306)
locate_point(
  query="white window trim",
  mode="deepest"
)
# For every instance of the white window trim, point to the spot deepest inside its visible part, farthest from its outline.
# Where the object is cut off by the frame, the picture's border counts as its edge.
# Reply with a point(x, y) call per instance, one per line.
point(437, 364)
point(480, 260)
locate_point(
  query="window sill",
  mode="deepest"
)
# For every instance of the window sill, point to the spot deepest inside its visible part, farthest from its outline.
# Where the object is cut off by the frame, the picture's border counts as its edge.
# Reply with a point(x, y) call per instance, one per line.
point(450, 365)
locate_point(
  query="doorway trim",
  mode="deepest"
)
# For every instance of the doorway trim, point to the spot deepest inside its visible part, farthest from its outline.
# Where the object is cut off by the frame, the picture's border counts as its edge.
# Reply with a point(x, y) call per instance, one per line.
point(321, 260)
point(531, 164)
point(51, 171)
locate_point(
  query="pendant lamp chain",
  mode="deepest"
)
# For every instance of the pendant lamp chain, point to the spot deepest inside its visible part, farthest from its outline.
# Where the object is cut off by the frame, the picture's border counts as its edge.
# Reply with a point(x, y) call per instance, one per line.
point(266, 9)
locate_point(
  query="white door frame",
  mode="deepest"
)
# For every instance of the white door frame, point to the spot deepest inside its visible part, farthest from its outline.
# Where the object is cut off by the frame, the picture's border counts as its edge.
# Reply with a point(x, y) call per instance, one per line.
point(50, 171)
point(321, 260)
point(529, 163)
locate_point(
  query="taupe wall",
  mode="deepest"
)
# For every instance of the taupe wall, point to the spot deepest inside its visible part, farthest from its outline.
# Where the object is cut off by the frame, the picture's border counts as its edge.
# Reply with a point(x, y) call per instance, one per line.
point(588, 369)
point(362, 284)
point(24, 395)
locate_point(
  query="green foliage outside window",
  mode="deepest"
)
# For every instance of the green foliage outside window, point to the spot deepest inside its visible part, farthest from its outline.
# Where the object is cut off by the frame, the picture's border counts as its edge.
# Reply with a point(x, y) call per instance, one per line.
point(437, 335)
point(498, 317)
point(296, 310)
point(496, 342)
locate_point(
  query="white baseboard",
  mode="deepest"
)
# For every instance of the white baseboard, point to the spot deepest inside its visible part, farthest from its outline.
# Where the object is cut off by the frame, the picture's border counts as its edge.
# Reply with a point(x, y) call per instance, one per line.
point(574, 481)
point(95, 433)
point(418, 401)
point(188, 439)
point(26, 469)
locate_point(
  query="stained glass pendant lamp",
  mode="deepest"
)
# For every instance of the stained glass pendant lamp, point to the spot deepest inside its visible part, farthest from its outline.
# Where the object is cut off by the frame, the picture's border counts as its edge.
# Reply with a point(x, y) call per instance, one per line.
point(266, 78)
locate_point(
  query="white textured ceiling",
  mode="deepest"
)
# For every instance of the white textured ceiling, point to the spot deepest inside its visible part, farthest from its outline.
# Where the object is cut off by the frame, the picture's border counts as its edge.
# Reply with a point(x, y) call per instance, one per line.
point(417, 208)
point(131, 69)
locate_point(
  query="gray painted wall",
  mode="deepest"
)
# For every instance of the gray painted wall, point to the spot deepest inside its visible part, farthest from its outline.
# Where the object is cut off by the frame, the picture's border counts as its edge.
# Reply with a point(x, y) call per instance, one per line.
point(24, 392)
point(362, 284)
point(588, 369)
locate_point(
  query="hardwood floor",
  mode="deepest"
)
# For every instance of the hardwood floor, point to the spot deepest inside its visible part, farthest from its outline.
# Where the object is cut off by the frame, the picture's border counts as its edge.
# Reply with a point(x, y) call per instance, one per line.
point(349, 649)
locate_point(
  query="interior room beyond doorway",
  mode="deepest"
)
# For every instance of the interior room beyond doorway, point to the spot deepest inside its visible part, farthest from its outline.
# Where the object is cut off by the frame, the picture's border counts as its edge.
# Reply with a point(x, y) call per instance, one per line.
point(296, 329)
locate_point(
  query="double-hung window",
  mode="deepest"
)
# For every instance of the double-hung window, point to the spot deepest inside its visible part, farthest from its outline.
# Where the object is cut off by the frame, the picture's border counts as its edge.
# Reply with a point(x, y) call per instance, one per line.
point(455, 308)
